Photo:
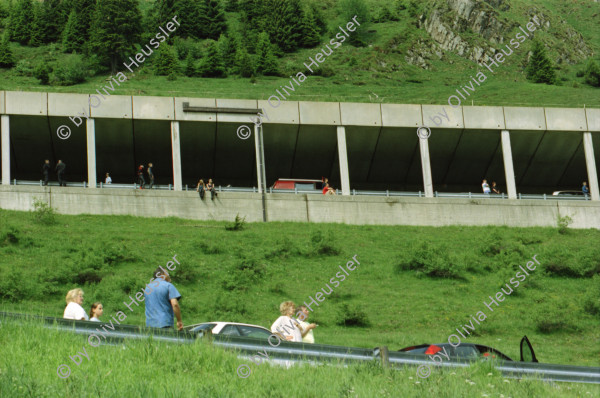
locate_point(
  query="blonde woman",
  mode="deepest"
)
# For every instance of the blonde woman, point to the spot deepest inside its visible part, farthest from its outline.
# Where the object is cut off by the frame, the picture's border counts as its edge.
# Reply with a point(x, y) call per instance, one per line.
point(285, 325)
point(74, 310)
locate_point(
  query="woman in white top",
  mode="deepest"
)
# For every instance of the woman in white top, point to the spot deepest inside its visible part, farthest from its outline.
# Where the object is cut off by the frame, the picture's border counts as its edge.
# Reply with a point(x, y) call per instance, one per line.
point(108, 180)
point(96, 312)
point(485, 186)
point(285, 325)
point(74, 309)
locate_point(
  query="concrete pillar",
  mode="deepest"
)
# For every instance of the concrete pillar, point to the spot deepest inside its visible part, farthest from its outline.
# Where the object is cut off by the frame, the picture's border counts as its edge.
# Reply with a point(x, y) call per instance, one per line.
point(91, 151)
point(5, 126)
point(590, 162)
point(176, 150)
point(426, 166)
point(260, 159)
point(343, 156)
point(509, 170)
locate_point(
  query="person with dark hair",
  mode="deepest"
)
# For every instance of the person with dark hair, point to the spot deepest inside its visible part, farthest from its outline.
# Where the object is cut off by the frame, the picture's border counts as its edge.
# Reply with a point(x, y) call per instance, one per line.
point(46, 171)
point(150, 174)
point(585, 189)
point(96, 312)
point(140, 176)
point(201, 188)
point(162, 302)
point(210, 186)
point(495, 188)
point(60, 172)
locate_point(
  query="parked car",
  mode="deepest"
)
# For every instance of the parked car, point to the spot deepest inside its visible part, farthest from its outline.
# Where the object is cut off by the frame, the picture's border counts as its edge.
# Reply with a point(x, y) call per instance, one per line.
point(303, 185)
point(471, 350)
point(231, 329)
point(567, 193)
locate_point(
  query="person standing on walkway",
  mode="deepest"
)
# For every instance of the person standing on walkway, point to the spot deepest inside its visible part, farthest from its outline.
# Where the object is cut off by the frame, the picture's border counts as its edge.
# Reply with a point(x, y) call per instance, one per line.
point(60, 172)
point(140, 176)
point(46, 171)
point(486, 187)
point(162, 302)
point(150, 172)
point(585, 189)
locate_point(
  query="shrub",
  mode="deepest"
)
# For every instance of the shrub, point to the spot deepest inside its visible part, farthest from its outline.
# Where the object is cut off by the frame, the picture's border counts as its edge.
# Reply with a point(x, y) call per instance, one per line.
point(44, 214)
point(42, 73)
point(592, 74)
point(591, 302)
point(285, 249)
point(433, 262)
point(352, 316)
point(11, 236)
point(323, 245)
point(563, 224)
point(238, 224)
point(206, 249)
point(69, 72)
point(24, 68)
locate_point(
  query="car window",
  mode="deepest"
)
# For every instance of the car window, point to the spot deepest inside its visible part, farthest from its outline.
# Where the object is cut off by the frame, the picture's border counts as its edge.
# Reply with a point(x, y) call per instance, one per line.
point(305, 186)
point(230, 330)
point(205, 326)
point(249, 331)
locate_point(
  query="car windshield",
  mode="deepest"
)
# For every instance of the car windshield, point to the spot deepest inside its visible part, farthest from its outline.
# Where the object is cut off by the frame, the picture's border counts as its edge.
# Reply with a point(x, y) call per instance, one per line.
point(249, 331)
point(204, 326)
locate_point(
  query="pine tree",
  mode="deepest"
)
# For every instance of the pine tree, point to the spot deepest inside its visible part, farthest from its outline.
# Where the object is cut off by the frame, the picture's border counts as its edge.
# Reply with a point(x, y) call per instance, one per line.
point(76, 32)
point(36, 34)
point(540, 69)
point(319, 18)
point(21, 21)
point(311, 35)
point(191, 12)
point(267, 63)
point(52, 20)
point(348, 10)
point(243, 63)
point(592, 74)
point(115, 29)
point(231, 5)
point(7, 59)
point(227, 48)
point(214, 19)
point(190, 66)
point(165, 62)
point(212, 65)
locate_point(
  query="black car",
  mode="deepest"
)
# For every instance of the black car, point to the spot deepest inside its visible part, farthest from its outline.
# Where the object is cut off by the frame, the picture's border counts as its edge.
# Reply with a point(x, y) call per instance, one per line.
point(470, 350)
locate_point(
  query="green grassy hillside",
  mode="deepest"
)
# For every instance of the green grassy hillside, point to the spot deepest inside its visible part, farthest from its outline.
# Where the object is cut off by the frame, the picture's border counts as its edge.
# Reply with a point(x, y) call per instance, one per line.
point(413, 285)
point(378, 72)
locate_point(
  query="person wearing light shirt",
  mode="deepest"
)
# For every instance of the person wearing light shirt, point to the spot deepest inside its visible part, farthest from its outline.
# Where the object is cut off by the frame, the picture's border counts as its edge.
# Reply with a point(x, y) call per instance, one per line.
point(305, 328)
point(74, 310)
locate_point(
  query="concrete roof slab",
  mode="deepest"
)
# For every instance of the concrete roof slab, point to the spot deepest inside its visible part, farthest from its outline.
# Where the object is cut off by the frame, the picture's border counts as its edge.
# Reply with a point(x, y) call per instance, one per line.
point(566, 119)
point(354, 114)
point(153, 108)
point(395, 115)
point(286, 113)
point(68, 104)
point(484, 117)
point(442, 116)
point(236, 117)
point(593, 119)
point(195, 116)
point(24, 103)
point(114, 107)
point(524, 118)
point(321, 113)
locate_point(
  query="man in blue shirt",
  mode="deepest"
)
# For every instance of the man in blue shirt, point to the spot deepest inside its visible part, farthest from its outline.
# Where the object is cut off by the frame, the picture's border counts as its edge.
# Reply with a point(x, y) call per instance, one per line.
point(585, 189)
point(162, 302)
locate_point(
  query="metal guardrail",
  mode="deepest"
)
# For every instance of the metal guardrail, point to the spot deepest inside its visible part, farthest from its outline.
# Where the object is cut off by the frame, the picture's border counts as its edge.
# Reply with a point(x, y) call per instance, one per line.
point(287, 352)
point(354, 192)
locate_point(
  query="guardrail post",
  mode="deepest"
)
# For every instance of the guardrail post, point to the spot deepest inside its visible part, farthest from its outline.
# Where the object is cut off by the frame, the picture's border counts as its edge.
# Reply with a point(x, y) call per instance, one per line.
point(469, 195)
point(169, 187)
point(353, 191)
point(101, 185)
point(436, 194)
point(296, 190)
point(271, 190)
point(544, 196)
point(41, 183)
point(520, 195)
point(387, 192)
point(15, 181)
point(419, 194)
point(385, 356)
point(84, 184)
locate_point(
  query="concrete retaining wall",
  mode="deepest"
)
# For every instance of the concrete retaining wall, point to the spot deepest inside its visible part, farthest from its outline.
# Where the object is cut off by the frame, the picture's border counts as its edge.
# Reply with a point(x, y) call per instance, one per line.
point(303, 208)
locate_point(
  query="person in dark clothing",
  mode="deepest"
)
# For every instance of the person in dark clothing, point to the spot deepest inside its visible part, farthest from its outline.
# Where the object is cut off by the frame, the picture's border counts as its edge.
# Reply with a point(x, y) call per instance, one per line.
point(495, 188)
point(60, 171)
point(210, 186)
point(46, 171)
point(150, 174)
point(140, 175)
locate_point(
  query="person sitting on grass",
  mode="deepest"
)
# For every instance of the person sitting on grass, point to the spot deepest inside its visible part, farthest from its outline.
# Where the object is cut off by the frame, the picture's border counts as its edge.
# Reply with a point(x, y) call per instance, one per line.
point(74, 310)
point(96, 312)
